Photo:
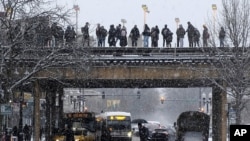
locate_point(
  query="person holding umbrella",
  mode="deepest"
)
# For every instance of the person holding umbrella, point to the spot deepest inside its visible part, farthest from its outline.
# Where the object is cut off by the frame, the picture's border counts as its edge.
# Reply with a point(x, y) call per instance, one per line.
point(143, 132)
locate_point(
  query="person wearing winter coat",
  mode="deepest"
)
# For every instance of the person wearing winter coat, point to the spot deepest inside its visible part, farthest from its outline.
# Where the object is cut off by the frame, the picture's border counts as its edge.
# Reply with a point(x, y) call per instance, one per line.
point(146, 34)
point(196, 37)
point(103, 35)
point(98, 34)
point(123, 37)
point(143, 132)
point(180, 32)
point(165, 32)
point(111, 36)
point(69, 134)
point(205, 36)
point(27, 133)
point(118, 33)
point(134, 35)
point(154, 37)
point(222, 35)
point(190, 33)
point(69, 35)
point(85, 34)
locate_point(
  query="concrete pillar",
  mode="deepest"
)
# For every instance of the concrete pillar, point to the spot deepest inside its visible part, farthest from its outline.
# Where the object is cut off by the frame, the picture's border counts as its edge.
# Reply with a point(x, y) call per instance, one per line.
point(219, 117)
point(37, 94)
point(48, 115)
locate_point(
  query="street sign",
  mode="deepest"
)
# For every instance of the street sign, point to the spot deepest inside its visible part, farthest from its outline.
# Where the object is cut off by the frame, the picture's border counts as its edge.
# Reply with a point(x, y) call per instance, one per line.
point(5, 109)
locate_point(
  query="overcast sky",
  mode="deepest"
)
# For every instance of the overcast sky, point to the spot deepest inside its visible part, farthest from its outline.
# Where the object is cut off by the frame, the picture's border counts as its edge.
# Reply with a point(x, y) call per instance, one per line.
point(162, 12)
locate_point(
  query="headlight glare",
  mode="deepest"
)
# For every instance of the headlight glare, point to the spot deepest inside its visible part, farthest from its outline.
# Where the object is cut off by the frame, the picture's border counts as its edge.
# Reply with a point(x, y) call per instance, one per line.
point(129, 134)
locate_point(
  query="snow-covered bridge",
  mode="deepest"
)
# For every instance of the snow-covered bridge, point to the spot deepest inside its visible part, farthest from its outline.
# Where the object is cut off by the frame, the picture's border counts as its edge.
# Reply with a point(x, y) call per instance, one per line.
point(58, 68)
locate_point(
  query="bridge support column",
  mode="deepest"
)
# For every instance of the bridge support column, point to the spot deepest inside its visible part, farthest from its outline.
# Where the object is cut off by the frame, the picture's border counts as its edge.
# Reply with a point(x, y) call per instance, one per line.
point(219, 116)
point(37, 121)
point(54, 112)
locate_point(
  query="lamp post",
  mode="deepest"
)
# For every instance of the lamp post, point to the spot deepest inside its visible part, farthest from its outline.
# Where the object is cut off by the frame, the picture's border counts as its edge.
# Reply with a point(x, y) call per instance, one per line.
point(214, 8)
point(145, 10)
point(177, 20)
point(76, 8)
point(123, 22)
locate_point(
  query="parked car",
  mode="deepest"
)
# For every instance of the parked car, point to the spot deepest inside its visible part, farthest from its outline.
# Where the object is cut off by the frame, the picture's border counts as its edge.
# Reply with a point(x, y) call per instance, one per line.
point(160, 134)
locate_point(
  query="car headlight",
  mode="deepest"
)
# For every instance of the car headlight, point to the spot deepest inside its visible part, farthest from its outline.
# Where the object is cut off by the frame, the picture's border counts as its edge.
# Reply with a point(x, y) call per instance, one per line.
point(129, 134)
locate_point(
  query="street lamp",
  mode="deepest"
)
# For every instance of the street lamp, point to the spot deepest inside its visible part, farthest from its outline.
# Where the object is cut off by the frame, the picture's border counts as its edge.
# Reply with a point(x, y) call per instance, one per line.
point(145, 10)
point(76, 8)
point(177, 20)
point(162, 100)
point(123, 22)
point(214, 8)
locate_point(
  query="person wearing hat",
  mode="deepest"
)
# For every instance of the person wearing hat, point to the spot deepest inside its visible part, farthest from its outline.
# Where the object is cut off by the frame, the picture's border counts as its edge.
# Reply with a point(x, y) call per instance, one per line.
point(143, 132)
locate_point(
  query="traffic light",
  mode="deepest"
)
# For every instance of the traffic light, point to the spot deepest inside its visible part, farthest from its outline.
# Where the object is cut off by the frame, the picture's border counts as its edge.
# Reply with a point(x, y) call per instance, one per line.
point(103, 95)
point(162, 100)
point(138, 95)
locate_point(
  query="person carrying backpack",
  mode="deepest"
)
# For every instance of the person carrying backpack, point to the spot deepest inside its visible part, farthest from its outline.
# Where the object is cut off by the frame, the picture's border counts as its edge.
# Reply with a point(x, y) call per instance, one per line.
point(165, 32)
point(169, 38)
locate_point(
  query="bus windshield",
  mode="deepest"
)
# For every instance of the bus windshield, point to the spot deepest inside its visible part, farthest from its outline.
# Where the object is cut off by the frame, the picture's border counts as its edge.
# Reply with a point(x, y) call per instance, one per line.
point(119, 124)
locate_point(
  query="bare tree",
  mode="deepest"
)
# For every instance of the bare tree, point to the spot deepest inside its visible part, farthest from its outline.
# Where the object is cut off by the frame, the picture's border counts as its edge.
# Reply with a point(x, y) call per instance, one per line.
point(21, 27)
point(233, 64)
point(22, 55)
point(235, 18)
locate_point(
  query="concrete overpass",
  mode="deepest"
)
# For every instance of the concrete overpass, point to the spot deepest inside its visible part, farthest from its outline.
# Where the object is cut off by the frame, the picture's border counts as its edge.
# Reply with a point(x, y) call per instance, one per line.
point(132, 68)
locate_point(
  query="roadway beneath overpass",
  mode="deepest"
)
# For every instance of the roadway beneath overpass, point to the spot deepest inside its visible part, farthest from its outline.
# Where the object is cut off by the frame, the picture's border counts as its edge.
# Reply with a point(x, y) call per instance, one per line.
point(133, 68)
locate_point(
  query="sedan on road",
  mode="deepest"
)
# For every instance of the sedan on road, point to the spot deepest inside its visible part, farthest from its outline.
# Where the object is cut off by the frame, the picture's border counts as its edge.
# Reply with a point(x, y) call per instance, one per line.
point(160, 134)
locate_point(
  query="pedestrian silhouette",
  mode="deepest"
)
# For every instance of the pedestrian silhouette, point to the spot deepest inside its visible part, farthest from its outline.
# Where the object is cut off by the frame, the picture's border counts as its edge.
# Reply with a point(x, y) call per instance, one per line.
point(26, 132)
point(143, 132)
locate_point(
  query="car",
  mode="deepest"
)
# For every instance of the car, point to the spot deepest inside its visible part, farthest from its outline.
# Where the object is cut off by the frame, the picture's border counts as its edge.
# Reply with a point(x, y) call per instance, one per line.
point(171, 132)
point(152, 125)
point(160, 134)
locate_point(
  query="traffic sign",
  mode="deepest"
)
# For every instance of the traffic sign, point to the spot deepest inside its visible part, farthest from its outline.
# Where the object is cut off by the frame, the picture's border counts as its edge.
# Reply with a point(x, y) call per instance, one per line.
point(5, 109)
